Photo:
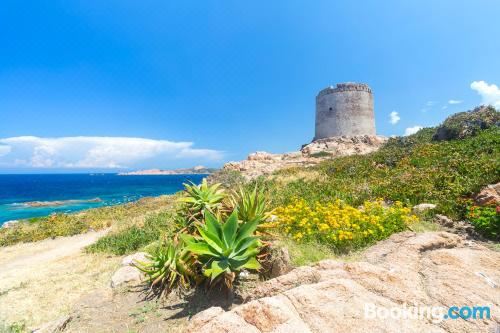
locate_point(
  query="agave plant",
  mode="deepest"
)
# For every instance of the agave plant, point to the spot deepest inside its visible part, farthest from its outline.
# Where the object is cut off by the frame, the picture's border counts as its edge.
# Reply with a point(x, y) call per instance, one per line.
point(202, 198)
point(223, 249)
point(169, 269)
point(251, 205)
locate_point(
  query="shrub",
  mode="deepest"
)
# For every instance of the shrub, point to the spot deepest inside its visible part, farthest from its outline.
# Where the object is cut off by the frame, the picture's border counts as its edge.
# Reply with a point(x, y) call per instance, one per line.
point(135, 237)
point(223, 249)
point(486, 220)
point(170, 268)
point(251, 204)
point(340, 225)
point(202, 198)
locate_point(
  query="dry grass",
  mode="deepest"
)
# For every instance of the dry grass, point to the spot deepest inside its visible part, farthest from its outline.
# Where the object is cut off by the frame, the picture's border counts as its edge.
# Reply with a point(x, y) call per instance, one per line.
point(304, 174)
point(41, 281)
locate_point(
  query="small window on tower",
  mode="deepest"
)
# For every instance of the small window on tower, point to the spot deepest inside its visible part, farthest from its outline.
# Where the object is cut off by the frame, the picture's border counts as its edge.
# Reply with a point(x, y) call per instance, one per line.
point(330, 109)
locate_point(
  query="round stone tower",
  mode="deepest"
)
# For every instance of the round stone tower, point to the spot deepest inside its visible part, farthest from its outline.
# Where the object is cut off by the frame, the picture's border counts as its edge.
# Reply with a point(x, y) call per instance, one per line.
point(346, 109)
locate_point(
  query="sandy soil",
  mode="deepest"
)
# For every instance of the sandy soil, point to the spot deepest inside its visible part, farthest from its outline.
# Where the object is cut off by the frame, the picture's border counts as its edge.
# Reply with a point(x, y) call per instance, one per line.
point(41, 281)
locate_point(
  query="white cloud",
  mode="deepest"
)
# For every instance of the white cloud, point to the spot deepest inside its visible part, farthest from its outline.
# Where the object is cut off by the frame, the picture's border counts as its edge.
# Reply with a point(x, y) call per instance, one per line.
point(490, 93)
point(4, 150)
point(444, 107)
point(430, 103)
point(412, 130)
point(95, 152)
point(395, 118)
point(454, 101)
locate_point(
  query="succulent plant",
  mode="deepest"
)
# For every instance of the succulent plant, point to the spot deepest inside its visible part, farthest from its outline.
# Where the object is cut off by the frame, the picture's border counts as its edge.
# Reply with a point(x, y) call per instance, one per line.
point(202, 198)
point(169, 268)
point(251, 205)
point(224, 249)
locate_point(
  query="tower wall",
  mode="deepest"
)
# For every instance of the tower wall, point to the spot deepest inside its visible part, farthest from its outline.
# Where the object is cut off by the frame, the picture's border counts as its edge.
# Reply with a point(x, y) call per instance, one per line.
point(346, 109)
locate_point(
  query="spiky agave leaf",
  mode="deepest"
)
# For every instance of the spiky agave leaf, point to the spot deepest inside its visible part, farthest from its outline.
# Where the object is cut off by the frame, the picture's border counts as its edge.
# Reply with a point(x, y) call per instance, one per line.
point(169, 268)
point(251, 205)
point(201, 198)
point(224, 249)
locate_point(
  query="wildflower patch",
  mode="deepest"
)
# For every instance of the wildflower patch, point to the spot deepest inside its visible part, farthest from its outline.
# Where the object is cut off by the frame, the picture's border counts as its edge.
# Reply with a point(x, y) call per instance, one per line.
point(340, 225)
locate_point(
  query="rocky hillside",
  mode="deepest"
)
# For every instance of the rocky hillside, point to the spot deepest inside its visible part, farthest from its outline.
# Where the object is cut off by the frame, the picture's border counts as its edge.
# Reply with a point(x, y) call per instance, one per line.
point(430, 269)
point(262, 163)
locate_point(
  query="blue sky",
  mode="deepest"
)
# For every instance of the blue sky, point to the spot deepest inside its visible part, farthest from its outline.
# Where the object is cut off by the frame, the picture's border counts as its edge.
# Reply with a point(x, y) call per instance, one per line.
point(109, 85)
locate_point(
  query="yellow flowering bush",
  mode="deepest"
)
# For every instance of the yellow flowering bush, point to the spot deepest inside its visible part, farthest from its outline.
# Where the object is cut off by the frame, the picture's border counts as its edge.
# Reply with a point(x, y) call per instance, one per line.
point(339, 224)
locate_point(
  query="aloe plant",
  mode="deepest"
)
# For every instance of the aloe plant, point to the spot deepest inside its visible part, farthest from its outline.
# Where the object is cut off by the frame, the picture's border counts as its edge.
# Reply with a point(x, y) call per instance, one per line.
point(251, 205)
point(202, 198)
point(224, 249)
point(169, 268)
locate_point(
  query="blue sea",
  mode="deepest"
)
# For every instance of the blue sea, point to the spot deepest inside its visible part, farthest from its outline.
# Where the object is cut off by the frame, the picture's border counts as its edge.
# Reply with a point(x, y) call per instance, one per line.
point(75, 192)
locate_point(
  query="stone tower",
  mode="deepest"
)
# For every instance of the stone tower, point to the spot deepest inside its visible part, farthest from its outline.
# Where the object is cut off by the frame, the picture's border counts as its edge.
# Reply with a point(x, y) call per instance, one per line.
point(346, 109)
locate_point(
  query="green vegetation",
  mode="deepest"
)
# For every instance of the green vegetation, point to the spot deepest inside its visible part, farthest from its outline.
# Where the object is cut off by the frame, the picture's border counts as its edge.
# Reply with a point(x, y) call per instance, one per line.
point(321, 154)
point(411, 170)
point(13, 327)
point(341, 226)
point(225, 248)
point(169, 268)
point(251, 204)
point(135, 237)
point(306, 252)
point(208, 249)
point(201, 198)
point(486, 220)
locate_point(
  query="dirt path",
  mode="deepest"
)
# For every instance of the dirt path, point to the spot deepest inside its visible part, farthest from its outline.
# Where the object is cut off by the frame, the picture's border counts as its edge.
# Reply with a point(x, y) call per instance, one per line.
point(41, 281)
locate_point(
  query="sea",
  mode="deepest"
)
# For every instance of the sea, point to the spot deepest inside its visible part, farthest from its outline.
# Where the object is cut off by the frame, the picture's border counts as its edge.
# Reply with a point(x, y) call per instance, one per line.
point(27, 196)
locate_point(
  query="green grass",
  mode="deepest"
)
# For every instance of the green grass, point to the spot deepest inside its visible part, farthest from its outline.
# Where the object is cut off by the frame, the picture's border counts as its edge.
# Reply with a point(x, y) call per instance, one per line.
point(486, 220)
point(412, 170)
point(306, 253)
point(136, 237)
point(19, 327)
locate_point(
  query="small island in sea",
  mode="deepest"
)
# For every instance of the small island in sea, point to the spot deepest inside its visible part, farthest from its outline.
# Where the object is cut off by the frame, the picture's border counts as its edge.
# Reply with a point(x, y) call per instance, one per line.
point(197, 170)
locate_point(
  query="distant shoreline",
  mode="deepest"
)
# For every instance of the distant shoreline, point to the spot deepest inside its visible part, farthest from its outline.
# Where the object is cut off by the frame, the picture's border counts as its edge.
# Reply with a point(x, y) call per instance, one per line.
point(198, 170)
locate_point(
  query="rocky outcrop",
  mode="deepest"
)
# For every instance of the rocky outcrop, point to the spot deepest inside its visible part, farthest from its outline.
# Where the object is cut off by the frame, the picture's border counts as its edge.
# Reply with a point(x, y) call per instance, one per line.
point(423, 207)
point(128, 273)
point(55, 326)
point(344, 145)
point(124, 275)
point(263, 163)
point(490, 195)
point(407, 270)
point(466, 124)
point(462, 228)
point(138, 257)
